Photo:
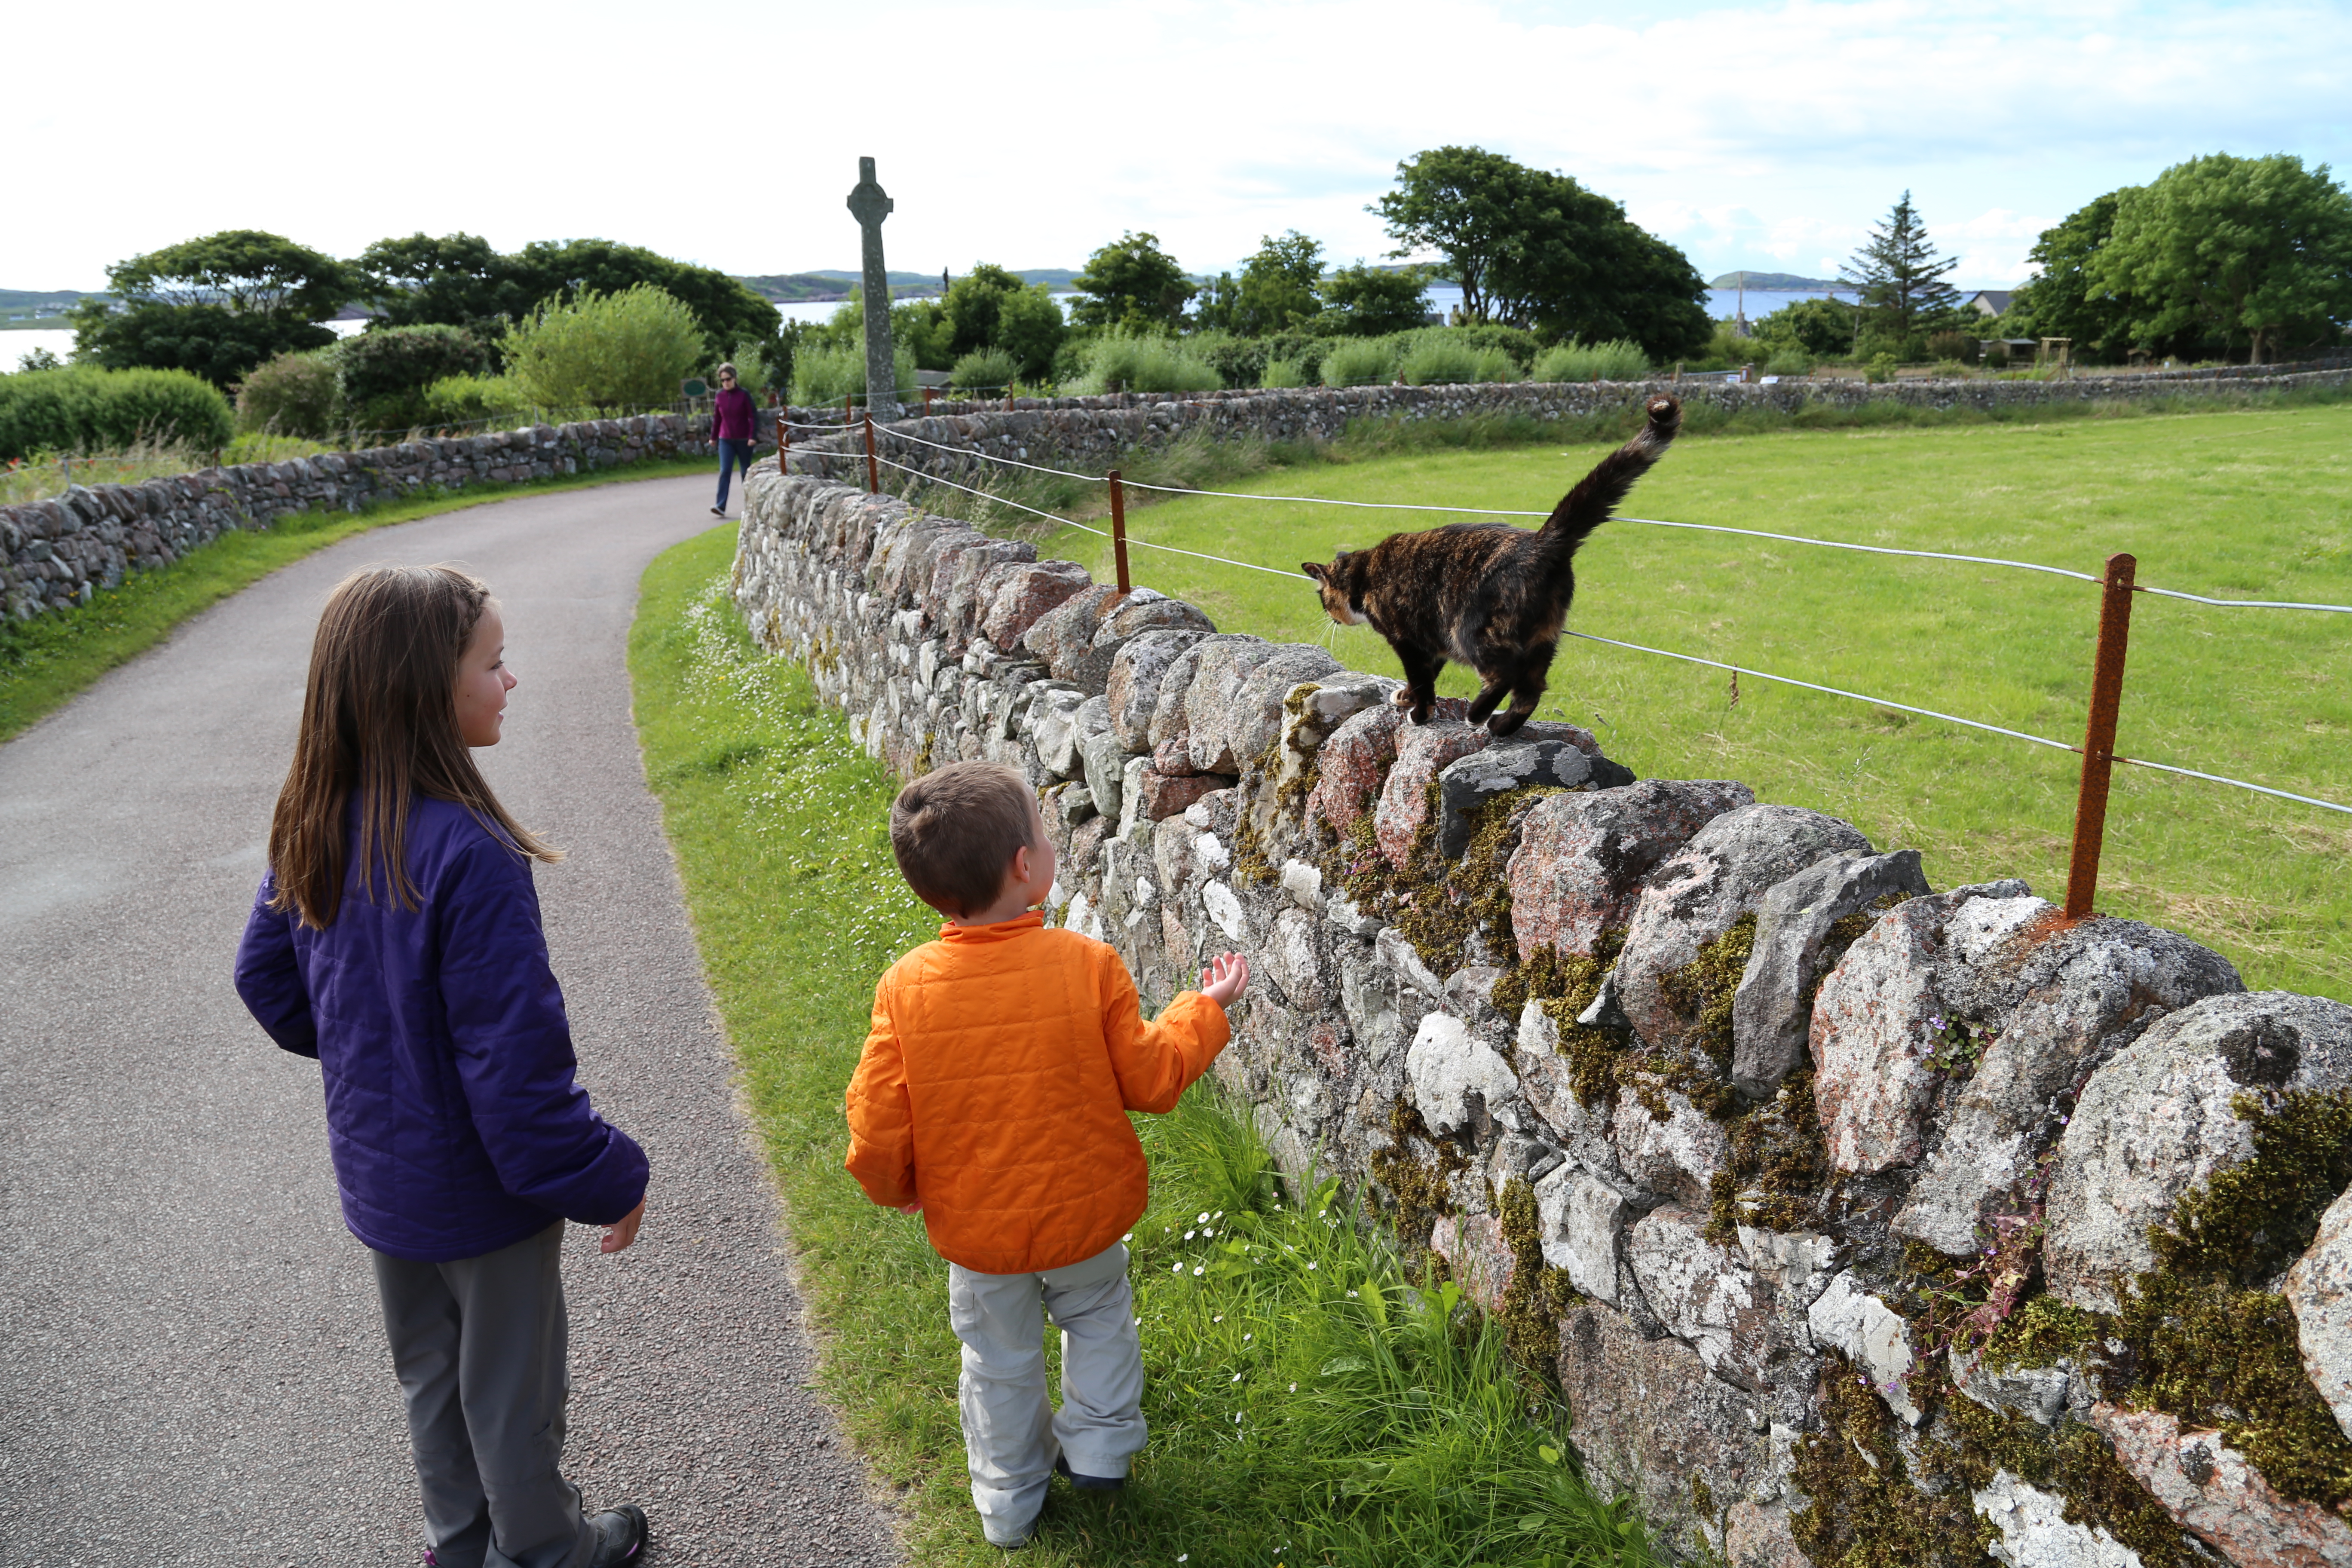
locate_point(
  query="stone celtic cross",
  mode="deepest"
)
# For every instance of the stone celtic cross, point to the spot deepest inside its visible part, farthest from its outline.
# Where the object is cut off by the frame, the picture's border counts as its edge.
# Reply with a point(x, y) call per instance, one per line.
point(869, 204)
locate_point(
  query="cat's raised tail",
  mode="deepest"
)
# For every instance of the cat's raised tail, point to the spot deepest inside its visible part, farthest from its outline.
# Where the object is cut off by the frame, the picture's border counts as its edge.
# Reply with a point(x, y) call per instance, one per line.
point(1590, 504)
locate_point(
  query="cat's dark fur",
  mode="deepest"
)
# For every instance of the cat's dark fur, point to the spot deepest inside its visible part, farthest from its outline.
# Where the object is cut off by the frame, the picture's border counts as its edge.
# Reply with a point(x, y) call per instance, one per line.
point(1486, 594)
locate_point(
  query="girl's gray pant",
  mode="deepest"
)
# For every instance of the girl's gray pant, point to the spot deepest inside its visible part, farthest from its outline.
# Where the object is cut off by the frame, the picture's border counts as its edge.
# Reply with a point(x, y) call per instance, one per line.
point(479, 1345)
point(1010, 1434)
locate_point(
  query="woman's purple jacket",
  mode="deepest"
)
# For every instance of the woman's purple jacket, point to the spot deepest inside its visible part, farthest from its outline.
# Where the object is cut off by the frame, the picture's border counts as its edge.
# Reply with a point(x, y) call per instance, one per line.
point(731, 414)
point(455, 1121)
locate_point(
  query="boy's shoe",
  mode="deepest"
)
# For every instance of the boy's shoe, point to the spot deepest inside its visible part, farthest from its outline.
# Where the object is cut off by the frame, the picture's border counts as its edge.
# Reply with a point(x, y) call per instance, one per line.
point(1086, 1483)
point(619, 1536)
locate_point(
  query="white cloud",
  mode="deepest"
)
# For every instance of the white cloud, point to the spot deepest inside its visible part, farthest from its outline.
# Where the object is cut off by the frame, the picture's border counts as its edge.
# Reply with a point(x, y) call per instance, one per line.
point(1760, 135)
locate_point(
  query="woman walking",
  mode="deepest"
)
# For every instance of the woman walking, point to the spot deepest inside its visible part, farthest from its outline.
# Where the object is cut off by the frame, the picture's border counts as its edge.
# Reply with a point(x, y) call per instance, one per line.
point(731, 414)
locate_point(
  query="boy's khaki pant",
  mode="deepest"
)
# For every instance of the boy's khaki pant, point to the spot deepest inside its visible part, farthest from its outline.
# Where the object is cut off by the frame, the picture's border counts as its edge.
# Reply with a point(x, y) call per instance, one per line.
point(1010, 1434)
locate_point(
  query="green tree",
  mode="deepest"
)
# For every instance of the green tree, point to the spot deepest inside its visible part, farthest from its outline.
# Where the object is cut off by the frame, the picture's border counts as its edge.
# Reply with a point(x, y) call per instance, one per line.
point(1279, 286)
point(381, 374)
point(1133, 284)
point(1531, 247)
point(627, 349)
point(975, 304)
point(1363, 302)
point(2063, 300)
point(216, 307)
point(459, 280)
point(1898, 274)
point(1030, 328)
point(2258, 246)
point(1821, 327)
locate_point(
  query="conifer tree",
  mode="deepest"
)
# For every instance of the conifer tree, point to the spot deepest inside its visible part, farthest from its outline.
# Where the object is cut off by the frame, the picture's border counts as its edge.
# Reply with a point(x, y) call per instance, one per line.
point(1897, 273)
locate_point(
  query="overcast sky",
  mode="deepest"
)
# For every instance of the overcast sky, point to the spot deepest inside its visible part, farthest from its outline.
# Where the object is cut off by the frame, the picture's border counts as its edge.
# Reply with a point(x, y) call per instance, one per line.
point(1766, 135)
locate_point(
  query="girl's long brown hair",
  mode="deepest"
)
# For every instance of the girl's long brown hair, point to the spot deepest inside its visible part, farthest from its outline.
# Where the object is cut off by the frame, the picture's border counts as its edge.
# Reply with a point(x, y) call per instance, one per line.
point(380, 719)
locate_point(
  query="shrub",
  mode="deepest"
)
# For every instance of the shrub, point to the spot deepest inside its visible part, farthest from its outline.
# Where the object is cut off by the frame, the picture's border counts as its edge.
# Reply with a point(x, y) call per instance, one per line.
point(293, 395)
point(83, 408)
point(1619, 359)
point(474, 400)
point(823, 377)
point(1788, 362)
point(628, 350)
point(1494, 365)
point(1881, 367)
point(1360, 361)
point(1950, 368)
point(1284, 372)
point(384, 372)
point(985, 370)
point(1436, 362)
point(1952, 346)
point(1123, 362)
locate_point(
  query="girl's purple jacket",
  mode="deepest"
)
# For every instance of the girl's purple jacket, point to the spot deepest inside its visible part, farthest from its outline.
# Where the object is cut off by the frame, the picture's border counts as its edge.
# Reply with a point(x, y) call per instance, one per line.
point(453, 1111)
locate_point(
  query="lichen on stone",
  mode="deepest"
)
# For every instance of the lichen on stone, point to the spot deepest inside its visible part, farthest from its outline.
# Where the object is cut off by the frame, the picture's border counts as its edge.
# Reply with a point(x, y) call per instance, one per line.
point(1418, 1189)
point(1566, 983)
point(1706, 986)
point(1437, 904)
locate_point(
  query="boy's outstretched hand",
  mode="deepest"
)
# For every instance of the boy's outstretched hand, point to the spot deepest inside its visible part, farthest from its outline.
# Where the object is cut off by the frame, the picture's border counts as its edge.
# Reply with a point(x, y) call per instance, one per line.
point(1225, 979)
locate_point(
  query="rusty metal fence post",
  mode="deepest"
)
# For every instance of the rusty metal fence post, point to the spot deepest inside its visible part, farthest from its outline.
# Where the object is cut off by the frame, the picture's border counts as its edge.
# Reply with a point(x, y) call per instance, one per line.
point(2099, 735)
point(873, 473)
point(927, 398)
point(1118, 530)
point(783, 446)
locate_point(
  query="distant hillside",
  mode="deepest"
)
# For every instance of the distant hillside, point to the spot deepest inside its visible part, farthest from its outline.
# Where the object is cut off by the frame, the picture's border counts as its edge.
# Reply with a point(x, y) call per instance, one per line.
point(1787, 281)
point(23, 307)
point(783, 287)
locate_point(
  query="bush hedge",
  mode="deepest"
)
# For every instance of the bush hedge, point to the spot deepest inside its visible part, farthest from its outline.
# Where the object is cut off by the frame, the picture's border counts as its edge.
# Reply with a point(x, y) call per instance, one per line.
point(1117, 362)
point(1619, 359)
point(294, 395)
point(384, 372)
point(83, 408)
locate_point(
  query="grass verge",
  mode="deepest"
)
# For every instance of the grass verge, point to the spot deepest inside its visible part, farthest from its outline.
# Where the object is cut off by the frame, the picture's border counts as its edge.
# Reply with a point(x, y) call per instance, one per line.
point(45, 660)
point(1306, 1408)
point(2238, 503)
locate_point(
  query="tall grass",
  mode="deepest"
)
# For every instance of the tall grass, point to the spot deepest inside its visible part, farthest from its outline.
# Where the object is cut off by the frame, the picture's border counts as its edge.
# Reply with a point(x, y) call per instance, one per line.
point(1122, 361)
point(822, 376)
point(1437, 361)
point(45, 475)
point(1618, 359)
point(1306, 1406)
point(1360, 361)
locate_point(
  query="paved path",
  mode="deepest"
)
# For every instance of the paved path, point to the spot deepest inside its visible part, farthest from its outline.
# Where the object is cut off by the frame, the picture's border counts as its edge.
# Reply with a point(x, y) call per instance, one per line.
point(194, 1369)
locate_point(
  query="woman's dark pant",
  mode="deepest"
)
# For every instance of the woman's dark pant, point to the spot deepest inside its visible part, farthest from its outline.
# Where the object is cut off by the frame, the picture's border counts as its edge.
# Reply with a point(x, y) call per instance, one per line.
point(479, 1345)
point(731, 452)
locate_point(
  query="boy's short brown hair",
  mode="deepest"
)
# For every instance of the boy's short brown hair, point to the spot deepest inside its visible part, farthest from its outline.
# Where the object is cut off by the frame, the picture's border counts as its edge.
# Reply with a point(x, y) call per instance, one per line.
point(955, 831)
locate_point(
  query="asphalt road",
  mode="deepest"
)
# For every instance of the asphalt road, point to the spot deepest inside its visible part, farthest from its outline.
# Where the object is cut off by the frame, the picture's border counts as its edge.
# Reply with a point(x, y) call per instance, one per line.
point(192, 1362)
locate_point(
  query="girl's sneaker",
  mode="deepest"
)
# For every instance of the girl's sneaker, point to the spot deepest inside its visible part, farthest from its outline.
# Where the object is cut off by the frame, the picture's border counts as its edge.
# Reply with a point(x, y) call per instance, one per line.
point(620, 1536)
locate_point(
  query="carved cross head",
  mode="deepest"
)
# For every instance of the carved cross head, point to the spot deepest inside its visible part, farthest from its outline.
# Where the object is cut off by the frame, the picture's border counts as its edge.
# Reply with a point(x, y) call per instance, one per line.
point(868, 204)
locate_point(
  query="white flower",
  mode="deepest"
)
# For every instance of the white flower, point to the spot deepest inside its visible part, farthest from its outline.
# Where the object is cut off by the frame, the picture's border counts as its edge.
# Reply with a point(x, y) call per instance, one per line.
point(1184, 1556)
point(1176, 1269)
point(1218, 1318)
point(1237, 1377)
point(1196, 1273)
point(1293, 1388)
point(1208, 1232)
point(1203, 1218)
point(1218, 1215)
point(1237, 1417)
point(1351, 1292)
point(1128, 1237)
point(1310, 1265)
point(1138, 1322)
point(1190, 1235)
point(1246, 1338)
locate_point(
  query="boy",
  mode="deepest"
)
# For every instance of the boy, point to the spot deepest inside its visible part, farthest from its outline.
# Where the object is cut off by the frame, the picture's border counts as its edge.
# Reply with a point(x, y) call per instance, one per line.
point(991, 1099)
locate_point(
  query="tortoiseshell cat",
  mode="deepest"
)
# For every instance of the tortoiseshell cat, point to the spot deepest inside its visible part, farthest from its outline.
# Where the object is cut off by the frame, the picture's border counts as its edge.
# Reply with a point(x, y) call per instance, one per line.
point(1486, 594)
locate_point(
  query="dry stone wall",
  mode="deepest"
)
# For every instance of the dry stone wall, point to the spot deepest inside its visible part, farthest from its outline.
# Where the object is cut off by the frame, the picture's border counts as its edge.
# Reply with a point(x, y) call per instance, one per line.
point(1861, 1221)
point(56, 553)
point(1092, 433)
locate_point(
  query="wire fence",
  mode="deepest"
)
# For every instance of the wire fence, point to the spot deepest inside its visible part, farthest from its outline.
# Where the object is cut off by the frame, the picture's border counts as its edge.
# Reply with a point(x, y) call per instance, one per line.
point(1123, 538)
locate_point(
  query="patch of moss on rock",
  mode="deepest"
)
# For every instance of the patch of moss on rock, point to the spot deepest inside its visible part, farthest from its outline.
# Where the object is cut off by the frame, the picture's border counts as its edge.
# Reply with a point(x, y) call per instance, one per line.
point(1704, 988)
point(1780, 1174)
point(2040, 1333)
point(1437, 904)
point(1538, 1295)
point(1867, 1509)
point(1420, 1189)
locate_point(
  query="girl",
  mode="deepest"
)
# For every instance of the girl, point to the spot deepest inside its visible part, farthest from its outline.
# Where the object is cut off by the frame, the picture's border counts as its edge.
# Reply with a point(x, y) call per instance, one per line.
point(396, 940)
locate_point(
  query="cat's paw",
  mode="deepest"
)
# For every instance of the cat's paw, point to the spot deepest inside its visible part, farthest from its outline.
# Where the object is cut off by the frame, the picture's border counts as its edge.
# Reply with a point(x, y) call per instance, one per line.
point(1506, 723)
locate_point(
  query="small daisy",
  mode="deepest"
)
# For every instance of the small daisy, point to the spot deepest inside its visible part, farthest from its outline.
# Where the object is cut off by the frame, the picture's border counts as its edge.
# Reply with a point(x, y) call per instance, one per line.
point(1196, 1273)
point(1237, 1377)
point(1176, 1269)
point(1191, 1233)
point(1203, 1217)
point(1310, 1265)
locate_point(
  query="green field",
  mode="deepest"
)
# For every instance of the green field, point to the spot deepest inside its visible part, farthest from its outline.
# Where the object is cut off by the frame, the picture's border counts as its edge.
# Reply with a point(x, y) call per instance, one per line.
point(2249, 504)
point(1306, 1406)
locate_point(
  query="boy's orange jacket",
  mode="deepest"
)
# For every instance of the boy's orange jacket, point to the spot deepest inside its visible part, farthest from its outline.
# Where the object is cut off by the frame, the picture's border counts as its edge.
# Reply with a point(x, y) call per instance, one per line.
point(995, 1085)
